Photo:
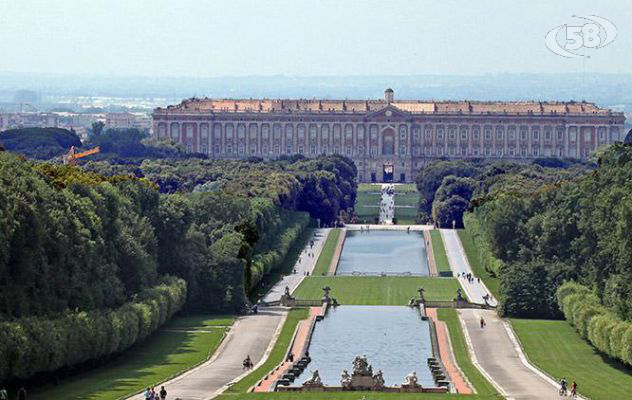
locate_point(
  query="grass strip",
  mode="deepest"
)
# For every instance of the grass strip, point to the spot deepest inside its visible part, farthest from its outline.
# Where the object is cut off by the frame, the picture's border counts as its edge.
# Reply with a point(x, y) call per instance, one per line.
point(326, 254)
point(438, 249)
point(377, 290)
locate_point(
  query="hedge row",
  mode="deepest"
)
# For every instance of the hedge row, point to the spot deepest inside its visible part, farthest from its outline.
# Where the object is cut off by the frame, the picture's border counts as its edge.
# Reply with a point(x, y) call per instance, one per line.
point(274, 257)
point(594, 322)
point(36, 344)
point(489, 261)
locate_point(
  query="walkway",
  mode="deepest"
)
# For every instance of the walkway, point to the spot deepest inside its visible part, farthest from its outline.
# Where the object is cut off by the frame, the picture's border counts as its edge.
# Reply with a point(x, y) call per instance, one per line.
point(495, 350)
point(500, 358)
point(457, 259)
point(387, 205)
point(305, 263)
point(250, 335)
point(300, 343)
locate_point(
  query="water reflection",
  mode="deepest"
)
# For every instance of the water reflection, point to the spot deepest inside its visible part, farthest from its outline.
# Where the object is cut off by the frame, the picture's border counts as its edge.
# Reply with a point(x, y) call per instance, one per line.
point(395, 339)
point(391, 252)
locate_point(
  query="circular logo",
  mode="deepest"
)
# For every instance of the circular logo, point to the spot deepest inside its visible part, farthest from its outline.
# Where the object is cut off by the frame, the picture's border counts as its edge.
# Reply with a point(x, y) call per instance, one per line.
point(388, 113)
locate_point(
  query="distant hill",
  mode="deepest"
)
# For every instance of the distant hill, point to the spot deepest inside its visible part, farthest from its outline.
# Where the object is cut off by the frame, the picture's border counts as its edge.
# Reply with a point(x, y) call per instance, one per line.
point(40, 143)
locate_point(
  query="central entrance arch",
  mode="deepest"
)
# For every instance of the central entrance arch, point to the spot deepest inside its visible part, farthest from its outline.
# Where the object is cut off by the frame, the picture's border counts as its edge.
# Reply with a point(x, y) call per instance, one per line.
point(388, 172)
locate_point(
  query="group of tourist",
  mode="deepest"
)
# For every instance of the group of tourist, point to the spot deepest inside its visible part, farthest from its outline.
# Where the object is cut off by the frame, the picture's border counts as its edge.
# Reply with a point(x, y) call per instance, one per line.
point(564, 388)
point(151, 394)
point(4, 394)
point(470, 278)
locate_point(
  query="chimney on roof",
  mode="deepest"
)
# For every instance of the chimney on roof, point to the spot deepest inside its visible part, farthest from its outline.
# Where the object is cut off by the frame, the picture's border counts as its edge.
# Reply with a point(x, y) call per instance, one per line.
point(389, 95)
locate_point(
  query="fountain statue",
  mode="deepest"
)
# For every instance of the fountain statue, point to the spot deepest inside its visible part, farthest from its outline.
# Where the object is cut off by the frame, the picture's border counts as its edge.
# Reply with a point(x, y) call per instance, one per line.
point(361, 366)
point(287, 300)
point(459, 295)
point(421, 291)
point(326, 297)
point(410, 381)
point(345, 379)
point(378, 380)
point(314, 381)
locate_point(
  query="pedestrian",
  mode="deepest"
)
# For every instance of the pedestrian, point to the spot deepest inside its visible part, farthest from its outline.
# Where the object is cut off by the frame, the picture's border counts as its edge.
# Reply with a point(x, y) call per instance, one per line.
point(479, 280)
point(482, 323)
point(574, 389)
point(22, 393)
point(299, 260)
point(153, 394)
point(147, 394)
point(163, 393)
point(3, 394)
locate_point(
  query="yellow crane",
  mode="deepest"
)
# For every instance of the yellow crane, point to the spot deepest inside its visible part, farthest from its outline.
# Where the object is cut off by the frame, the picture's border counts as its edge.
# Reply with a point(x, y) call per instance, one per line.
point(72, 156)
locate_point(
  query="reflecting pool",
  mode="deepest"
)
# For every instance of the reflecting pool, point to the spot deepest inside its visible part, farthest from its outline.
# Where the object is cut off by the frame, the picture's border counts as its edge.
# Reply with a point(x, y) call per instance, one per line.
point(389, 252)
point(394, 339)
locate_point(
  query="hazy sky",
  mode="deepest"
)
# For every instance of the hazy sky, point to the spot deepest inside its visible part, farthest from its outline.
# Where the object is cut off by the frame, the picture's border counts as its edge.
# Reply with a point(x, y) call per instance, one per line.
point(269, 37)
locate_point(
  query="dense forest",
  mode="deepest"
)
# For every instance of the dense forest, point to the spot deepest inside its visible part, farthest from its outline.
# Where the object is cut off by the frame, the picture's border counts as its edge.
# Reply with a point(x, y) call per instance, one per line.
point(538, 227)
point(39, 143)
point(96, 258)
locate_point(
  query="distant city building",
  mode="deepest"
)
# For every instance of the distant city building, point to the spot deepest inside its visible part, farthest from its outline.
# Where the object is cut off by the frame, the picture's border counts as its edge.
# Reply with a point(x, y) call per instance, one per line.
point(389, 140)
point(28, 120)
point(122, 120)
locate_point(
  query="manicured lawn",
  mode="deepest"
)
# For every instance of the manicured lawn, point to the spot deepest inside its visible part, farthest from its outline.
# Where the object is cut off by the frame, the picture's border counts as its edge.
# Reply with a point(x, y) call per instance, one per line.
point(324, 260)
point(350, 396)
point(438, 249)
point(474, 259)
point(462, 356)
point(555, 347)
point(369, 187)
point(367, 207)
point(377, 290)
point(181, 344)
point(406, 195)
point(278, 352)
point(405, 188)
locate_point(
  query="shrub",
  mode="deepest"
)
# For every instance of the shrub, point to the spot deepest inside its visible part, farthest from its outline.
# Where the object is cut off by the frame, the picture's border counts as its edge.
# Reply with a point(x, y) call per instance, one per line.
point(37, 344)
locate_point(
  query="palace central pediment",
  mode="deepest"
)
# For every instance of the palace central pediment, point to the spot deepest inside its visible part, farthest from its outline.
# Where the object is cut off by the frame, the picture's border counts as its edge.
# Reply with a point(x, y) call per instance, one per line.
point(389, 111)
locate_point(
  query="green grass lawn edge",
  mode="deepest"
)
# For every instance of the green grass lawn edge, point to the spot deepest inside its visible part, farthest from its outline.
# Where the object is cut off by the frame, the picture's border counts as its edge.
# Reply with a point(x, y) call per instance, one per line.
point(556, 348)
point(101, 382)
point(438, 249)
point(326, 254)
point(277, 355)
point(462, 355)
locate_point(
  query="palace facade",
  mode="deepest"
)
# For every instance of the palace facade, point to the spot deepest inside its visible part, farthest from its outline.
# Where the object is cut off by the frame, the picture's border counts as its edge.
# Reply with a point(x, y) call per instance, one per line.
point(389, 140)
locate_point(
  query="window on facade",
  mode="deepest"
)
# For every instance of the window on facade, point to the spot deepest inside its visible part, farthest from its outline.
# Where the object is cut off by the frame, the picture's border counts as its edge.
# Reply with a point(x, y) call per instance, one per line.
point(162, 130)
point(476, 134)
point(536, 151)
point(229, 131)
point(289, 132)
point(463, 134)
point(488, 151)
point(499, 134)
point(288, 150)
point(439, 151)
point(475, 151)
point(175, 131)
point(217, 131)
point(499, 152)
point(602, 134)
point(189, 148)
point(560, 135)
point(463, 151)
point(547, 135)
point(189, 131)
point(204, 149)
point(373, 150)
point(348, 150)
point(361, 150)
point(451, 150)
point(216, 149)
point(241, 131)
point(452, 133)
point(512, 134)
point(440, 133)
point(587, 136)
point(277, 150)
point(241, 149)
point(536, 135)
point(428, 134)
point(336, 150)
point(523, 134)
point(301, 150)
point(488, 134)
point(402, 150)
point(523, 151)
point(572, 134)
point(560, 151)
point(301, 131)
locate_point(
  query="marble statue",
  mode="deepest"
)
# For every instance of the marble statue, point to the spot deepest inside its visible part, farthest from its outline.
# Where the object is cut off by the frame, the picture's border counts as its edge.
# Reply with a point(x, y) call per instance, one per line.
point(378, 379)
point(345, 379)
point(411, 380)
point(314, 380)
point(361, 366)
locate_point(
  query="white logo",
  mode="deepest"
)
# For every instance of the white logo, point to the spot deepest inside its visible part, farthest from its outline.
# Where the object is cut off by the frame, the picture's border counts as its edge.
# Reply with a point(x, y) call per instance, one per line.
point(592, 35)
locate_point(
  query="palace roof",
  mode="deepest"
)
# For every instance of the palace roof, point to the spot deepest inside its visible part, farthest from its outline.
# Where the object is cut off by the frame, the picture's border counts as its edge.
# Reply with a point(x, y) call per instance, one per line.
point(195, 105)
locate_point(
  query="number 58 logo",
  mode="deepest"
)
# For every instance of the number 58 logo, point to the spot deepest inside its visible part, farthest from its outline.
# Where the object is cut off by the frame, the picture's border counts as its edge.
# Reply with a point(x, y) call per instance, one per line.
point(593, 35)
